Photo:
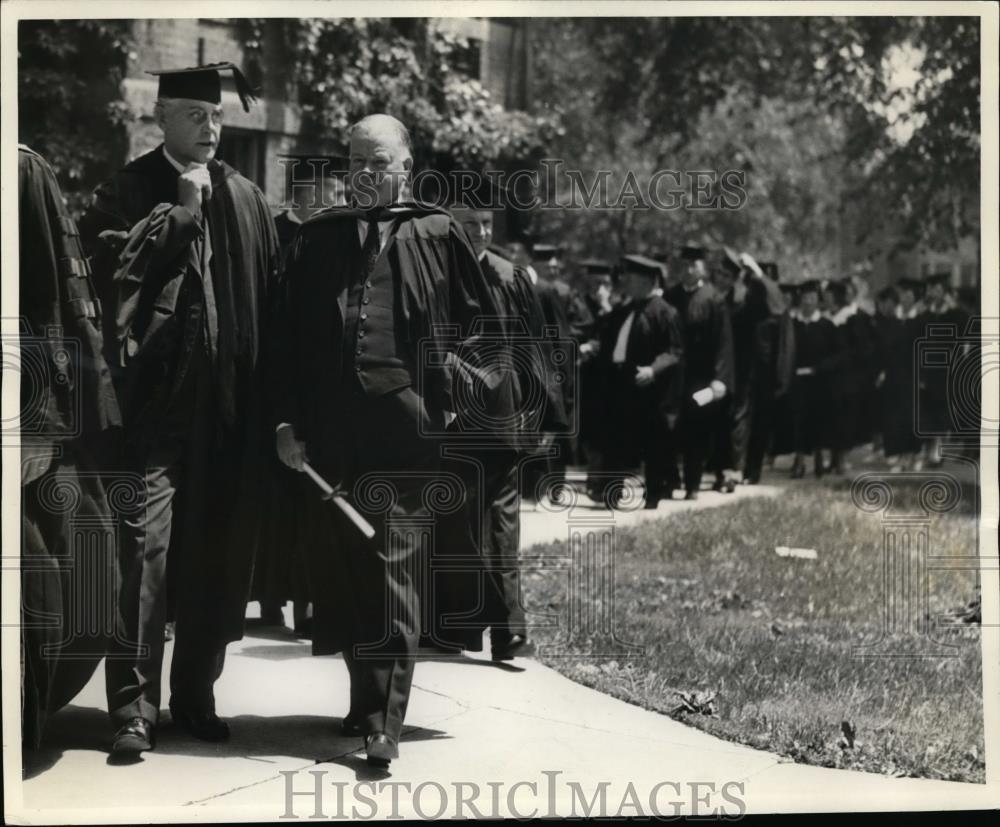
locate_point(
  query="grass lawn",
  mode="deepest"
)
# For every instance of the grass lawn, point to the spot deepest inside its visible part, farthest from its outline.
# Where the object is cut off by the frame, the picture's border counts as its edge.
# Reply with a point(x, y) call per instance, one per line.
point(718, 611)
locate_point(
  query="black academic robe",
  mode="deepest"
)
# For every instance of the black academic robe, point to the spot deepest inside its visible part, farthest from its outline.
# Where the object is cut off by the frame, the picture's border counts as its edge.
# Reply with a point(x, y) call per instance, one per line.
point(142, 245)
point(893, 358)
point(817, 354)
point(444, 314)
point(541, 382)
point(942, 330)
point(634, 416)
point(70, 413)
point(708, 337)
point(851, 378)
point(280, 572)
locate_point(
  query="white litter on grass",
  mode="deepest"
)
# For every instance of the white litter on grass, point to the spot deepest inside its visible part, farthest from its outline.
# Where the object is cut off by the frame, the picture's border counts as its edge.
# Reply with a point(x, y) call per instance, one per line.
point(801, 553)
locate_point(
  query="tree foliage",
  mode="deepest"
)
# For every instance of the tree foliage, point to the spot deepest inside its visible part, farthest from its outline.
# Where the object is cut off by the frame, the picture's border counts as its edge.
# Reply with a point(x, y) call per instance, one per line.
point(70, 106)
point(830, 95)
point(344, 69)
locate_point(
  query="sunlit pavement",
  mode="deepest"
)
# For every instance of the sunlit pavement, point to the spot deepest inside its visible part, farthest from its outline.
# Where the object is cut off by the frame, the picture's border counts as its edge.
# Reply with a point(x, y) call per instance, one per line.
point(471, 723)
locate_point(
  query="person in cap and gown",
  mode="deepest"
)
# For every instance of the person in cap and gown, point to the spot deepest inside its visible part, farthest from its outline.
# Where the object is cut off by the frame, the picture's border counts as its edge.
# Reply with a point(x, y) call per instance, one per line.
point(782, 438)
point(816, 355)
point(382, 363)
point(642, 356)
point(69, 432)
point(564, 310)
point(745, 303)
point(851, 379)
point(770, 343)
point(708, 362)
point(184, 254)
point(895, 381)
point(494, 507)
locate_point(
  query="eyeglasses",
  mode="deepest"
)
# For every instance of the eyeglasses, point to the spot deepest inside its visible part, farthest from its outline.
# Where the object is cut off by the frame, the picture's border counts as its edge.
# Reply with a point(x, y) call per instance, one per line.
point(199, 116)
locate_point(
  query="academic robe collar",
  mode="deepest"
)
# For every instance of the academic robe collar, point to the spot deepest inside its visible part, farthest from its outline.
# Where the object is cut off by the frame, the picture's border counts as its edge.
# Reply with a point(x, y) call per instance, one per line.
point(814, 317)
point(912, 313)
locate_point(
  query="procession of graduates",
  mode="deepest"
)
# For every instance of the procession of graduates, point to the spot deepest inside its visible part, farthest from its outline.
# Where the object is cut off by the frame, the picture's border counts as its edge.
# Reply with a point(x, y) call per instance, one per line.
point(703, 362)
point(346, 405)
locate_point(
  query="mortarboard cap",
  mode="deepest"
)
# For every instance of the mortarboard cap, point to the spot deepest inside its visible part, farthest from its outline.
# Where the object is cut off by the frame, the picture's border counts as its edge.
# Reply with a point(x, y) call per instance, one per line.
point(808, 286)
point(203, 83)
point(595, 266)
point(939, 278)
point(910, 283)
point(642, 265)
point(690, 252)
point(546, 251)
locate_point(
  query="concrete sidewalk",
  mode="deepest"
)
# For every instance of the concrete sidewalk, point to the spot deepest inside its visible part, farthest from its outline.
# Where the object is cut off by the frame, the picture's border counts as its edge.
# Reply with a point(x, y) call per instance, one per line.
point(506, 740)
point(469, 721)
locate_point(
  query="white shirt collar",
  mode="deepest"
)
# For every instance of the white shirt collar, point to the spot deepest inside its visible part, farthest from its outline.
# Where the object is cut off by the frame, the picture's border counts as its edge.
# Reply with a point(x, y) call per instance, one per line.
point(173, 161)
point(532, 274)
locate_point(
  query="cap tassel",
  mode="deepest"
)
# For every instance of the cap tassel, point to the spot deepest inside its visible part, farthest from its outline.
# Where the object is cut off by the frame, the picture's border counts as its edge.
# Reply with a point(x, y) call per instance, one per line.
point(247, 93)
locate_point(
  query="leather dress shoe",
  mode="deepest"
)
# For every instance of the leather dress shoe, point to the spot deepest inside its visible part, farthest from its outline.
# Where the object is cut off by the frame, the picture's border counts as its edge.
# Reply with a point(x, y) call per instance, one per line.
point(517, 645)
point(203, 725)
point(134, 736)
point(352, 726)
point(380, 749)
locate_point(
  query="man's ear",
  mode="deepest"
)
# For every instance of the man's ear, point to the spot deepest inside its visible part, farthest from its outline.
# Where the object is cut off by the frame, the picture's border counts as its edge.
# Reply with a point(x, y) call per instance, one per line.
point(408, 164)
point(159, 114)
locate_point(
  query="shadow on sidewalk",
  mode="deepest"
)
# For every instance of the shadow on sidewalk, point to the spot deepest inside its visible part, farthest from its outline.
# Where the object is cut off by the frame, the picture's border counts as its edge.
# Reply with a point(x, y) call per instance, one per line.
point(312, 738)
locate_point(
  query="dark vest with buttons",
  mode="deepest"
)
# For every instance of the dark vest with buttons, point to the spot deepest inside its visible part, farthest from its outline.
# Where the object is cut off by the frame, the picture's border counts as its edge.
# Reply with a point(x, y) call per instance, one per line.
point(374, 347)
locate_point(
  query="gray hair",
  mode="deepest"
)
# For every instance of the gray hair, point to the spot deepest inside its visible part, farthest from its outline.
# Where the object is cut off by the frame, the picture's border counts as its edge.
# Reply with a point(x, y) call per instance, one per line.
point(370, 123)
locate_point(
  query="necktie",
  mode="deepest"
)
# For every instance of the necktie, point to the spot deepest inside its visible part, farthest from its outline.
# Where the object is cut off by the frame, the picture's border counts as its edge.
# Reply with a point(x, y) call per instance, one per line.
point(369, 253)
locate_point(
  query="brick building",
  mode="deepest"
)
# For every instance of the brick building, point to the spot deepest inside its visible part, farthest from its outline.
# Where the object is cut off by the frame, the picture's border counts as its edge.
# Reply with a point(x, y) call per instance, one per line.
point(252, 141)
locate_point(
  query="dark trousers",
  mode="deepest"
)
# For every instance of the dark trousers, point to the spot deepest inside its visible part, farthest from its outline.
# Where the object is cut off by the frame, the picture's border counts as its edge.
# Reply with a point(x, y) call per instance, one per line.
point(636, 432)
point(386, 452)
point(134, 665)
point(698, 429)
point(500, 533)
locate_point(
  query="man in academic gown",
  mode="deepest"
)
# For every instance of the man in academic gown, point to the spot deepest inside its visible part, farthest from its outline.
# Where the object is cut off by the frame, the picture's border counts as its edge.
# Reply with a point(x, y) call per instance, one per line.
point(381, 365)
point(708, 363)
point(495, 513)
point(70, 426)
point(642, 356)
point(184, 250)
point(564, 309)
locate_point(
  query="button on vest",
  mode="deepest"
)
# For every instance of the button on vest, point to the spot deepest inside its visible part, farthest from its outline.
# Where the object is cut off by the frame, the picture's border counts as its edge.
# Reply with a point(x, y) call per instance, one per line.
point(373, 346)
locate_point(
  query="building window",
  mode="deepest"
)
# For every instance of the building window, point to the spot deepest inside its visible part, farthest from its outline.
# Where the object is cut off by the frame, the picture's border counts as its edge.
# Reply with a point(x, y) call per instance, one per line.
point(245, 151)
